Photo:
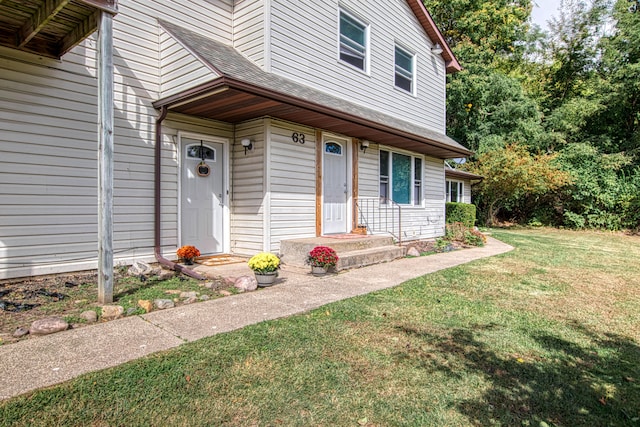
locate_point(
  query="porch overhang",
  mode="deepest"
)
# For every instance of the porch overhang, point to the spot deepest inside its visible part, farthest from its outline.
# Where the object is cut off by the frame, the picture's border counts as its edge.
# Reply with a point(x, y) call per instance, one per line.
point(50, 27)
point(234, 101)
point(459, 174)
point(242, 91)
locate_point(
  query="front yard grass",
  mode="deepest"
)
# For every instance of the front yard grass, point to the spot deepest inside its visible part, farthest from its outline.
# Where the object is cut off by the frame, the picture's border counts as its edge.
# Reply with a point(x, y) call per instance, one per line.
point(546, 335)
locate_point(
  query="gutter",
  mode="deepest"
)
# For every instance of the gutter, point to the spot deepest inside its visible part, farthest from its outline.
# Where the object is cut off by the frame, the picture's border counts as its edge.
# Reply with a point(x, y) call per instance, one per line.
point(156, 211)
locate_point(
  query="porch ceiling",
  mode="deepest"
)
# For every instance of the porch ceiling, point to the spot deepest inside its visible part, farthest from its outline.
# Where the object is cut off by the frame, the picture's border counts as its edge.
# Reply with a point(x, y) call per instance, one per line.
point(49, 27)
point(244, 92)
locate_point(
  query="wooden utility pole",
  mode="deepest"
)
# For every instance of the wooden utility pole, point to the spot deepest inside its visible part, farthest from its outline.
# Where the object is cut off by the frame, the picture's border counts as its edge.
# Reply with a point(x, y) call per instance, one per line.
point(105, 158)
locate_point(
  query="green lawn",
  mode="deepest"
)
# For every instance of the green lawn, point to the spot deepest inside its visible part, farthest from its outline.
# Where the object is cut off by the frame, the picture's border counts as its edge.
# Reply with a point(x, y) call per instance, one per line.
point(546, 335)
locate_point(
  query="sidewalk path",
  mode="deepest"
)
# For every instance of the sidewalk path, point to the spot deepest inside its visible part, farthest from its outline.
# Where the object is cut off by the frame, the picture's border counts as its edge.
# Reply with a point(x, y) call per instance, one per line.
point(44, 361)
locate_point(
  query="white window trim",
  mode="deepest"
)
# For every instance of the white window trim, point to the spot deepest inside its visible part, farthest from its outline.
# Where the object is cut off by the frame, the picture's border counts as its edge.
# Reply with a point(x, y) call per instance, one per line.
point(367, 41)
point(412, 156)
point(414, 71)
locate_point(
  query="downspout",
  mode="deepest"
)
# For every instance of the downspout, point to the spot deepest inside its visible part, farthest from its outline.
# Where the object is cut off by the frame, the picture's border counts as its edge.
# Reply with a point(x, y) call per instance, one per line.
point(157, 168)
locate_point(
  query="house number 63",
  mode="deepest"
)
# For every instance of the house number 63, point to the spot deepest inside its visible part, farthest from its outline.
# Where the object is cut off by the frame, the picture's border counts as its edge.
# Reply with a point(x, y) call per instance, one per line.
point(297, 137)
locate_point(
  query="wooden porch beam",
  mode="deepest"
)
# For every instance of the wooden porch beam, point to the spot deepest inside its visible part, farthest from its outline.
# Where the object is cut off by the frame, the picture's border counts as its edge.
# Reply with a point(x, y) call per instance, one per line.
point(83, 30)
point(110, 6)
point(45, 13)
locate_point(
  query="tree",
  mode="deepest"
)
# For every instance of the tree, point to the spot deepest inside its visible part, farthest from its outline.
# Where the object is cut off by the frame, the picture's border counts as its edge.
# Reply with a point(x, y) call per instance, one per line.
point(619, 71)
point(487, 109)
point(512, 174)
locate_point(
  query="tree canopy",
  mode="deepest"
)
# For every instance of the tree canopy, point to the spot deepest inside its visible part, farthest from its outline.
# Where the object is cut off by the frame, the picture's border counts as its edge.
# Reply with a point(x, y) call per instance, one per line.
point(567, 98)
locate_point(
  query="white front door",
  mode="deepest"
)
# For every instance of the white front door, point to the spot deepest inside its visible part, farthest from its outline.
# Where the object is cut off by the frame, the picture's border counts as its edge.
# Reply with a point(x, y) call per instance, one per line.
point(202, 207)
point(334, 187)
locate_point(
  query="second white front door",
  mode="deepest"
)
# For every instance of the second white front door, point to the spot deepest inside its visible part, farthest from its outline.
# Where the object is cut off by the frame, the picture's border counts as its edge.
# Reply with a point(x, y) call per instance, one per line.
point(203, 195)
point(335, 187)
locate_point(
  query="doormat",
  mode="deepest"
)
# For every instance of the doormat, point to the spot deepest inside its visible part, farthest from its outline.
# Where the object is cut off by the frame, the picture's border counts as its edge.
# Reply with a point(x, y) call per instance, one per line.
point(346, 236)
point(222, 259)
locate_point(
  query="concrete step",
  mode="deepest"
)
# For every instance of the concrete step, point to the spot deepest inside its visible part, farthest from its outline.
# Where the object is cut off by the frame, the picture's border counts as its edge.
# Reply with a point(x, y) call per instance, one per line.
point(352, 251)
point(369, 256)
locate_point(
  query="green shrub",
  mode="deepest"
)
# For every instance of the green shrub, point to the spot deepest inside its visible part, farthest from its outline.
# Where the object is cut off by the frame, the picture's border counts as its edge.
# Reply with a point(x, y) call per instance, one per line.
point(458, 232)
point(461, 212)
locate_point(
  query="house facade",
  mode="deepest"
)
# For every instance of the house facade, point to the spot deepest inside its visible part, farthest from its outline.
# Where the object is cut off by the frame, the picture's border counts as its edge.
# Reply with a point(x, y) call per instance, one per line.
point(237, 125)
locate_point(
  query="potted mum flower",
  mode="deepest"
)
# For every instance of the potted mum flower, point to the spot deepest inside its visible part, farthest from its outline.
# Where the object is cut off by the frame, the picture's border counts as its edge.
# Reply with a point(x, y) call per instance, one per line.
point(187, 254)
point(321, 259)
point(265, 266)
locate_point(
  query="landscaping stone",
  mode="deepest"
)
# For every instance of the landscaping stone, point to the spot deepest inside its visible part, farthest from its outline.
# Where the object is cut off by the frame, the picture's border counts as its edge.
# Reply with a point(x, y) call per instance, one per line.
point(162, 304)
point(48, 326)
point(204, 297)
point(131, 310)
point(246, 283)
point(190, 300)
point(90, 316)
point(20, 332)
point(225, 293)
point(140, 268)
point(209, 285)
point(190, 294)
point(173, 292)
point(112, 312)
point(230, 281)
point(413, 252)
point(146, 305)
point(164, 274)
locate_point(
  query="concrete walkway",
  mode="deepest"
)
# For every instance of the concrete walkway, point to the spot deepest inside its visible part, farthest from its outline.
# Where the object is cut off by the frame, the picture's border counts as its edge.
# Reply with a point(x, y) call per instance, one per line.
point(44, 361)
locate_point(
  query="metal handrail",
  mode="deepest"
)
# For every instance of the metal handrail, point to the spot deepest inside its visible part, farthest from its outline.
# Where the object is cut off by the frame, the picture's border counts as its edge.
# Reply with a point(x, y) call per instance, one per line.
point(379, 215)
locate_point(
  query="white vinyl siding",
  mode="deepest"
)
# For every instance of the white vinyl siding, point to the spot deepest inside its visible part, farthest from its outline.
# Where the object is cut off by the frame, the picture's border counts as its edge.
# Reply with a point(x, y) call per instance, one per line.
point(48, 144)
point(304, 50)
point(179, 68)
point(466, 192)
point(248, 189)
point(250, 30)
point(292, 184)
point(368, 175)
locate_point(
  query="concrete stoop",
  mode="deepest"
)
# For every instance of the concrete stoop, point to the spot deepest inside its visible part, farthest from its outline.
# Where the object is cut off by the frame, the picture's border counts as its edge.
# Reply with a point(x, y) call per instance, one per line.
point(353, 252)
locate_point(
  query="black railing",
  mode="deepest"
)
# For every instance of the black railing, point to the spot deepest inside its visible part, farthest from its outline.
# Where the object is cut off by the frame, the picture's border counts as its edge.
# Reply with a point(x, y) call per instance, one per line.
point(380, 215)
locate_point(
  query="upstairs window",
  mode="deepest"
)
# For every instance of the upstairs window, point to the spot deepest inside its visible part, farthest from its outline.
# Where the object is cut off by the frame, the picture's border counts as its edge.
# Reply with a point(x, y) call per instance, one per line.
point(404, 70)
point(353, 41)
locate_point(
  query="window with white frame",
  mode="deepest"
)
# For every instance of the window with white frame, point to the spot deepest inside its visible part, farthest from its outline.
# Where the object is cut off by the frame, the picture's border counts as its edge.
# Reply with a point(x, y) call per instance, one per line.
point(400, 178)
point(404, 70)
point(454, 191)
point(353, 41)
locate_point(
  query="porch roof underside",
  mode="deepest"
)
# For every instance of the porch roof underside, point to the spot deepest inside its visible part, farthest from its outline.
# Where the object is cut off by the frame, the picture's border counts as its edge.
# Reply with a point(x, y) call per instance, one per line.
point(49, 27)
point(243, 91)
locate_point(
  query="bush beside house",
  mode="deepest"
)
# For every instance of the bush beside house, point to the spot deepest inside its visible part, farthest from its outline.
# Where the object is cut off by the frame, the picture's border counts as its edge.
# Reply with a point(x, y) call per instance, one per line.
point(461, 212)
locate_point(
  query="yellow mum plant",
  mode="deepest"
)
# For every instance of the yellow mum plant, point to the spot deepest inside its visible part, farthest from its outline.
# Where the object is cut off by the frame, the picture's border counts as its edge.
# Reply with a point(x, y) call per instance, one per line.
point(264, 262)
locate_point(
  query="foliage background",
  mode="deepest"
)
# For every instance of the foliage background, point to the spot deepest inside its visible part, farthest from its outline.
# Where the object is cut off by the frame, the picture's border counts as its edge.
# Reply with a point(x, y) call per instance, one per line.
point(553, 116)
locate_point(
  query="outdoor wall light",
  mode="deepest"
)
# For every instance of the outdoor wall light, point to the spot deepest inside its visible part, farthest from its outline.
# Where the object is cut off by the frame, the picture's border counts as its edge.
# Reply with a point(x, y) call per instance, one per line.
point(363, 146)
point(436, 49)
point(247, 144)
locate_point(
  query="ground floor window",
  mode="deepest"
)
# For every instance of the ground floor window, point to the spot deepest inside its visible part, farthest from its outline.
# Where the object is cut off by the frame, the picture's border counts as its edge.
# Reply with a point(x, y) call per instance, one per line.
point(400, 178)
point(454, 191)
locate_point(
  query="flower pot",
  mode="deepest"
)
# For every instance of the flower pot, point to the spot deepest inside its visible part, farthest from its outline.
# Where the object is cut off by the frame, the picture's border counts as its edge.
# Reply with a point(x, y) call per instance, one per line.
point(266, 279)
point(187, 261)
point(318, 271)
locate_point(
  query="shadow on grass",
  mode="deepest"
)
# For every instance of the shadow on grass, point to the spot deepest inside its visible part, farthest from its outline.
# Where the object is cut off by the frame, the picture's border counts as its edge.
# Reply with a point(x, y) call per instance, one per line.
point(566, 385)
